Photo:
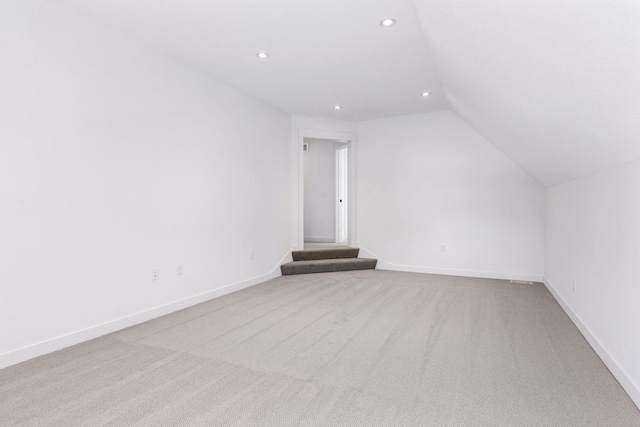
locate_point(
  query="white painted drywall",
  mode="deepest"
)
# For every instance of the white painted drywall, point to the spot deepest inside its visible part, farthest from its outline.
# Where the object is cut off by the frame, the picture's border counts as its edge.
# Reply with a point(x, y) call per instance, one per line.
point(336, 124)
point(553, 84)
point(428, 180)
point(593, 237)
point(322, 52)
point(116, 159)
point(320, 191)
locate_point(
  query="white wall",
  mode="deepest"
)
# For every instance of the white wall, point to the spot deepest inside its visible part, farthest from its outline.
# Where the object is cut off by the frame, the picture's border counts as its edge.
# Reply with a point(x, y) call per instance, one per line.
point(320, 191)
point(593, 237)
point(428, 180)
point(322, 124)
point(114, 160)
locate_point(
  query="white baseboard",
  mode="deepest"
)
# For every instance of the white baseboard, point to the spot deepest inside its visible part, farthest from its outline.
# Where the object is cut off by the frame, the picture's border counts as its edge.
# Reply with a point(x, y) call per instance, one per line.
point(276, 272)
point(627, 383)
point(385, 265)
point(38, 349)
point(320, 239)
point(381, 265)
point(469, 273)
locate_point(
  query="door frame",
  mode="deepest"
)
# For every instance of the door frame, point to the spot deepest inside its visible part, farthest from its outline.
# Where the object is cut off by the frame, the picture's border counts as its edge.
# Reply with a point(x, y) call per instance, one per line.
point(352, 140)
point(347, 198)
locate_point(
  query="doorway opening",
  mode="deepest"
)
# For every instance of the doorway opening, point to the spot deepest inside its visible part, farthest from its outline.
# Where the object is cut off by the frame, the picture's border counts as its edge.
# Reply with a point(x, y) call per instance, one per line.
point(326, 192)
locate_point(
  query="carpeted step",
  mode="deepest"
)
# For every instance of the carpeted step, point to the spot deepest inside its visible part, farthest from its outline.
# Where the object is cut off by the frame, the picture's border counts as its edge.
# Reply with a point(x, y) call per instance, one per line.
point(331, 253)
point(327, 265)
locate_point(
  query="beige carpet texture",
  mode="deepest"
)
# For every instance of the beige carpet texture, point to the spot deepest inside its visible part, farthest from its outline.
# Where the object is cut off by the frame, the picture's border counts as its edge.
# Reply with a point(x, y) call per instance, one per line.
point(358, 348)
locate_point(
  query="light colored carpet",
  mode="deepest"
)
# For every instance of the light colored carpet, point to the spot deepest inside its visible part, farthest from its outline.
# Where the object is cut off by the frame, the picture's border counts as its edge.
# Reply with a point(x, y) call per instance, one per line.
point(361, 348)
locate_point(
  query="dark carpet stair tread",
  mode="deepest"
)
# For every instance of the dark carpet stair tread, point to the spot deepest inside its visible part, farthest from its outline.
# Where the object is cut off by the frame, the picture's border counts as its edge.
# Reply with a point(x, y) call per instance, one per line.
point(327, 265)
point(316, 254)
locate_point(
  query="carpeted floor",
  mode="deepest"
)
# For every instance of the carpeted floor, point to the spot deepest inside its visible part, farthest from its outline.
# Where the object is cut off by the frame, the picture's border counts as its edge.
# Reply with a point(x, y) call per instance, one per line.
point(362, 348)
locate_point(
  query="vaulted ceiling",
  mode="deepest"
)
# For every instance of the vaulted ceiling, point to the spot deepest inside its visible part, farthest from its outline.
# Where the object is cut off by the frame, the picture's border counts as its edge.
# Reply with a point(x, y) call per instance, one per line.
point(554, 84)
point(322, 52)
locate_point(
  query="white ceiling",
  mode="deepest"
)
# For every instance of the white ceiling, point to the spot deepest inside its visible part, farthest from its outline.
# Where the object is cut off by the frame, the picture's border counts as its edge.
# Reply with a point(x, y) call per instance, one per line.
point(323, 52)
point(554, 84)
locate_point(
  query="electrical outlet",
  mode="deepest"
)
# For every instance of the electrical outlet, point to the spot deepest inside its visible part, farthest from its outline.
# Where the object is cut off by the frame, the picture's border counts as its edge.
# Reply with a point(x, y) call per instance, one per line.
point(155, 274)
point(443, 248)
point(253, 255)
point(180, 270)
point(574, 286)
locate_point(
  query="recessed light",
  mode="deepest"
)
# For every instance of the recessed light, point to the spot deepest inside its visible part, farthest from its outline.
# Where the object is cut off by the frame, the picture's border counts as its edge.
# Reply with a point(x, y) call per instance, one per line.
point(425, 94)
point(388, 22)
point(337, 107)
point(262, 55)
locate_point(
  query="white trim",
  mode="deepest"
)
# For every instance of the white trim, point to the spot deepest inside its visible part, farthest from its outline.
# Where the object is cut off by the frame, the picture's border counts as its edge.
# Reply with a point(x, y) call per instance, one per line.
point(346, 197)
point(349, 138)
point(38, 349)
point(381, 265)
point(315, 239)
point(327, 134)
point(288, 257)
point(627, 383)
point(336, 204)
point(386, 265)
point(470, 273)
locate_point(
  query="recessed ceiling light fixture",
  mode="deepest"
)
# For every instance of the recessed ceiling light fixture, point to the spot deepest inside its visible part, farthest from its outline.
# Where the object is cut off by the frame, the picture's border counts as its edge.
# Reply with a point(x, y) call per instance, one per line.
point(425, 94)
point(337, 107)
point(262, 55)
point(388, 22)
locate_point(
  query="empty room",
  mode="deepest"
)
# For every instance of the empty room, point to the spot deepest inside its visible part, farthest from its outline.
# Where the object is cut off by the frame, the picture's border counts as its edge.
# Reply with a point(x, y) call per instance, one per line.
point(319, 213)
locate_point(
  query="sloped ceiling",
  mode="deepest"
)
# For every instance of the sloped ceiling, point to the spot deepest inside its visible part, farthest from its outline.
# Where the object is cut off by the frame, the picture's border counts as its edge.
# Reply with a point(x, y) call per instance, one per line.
point(554, 84)
point(323, 52)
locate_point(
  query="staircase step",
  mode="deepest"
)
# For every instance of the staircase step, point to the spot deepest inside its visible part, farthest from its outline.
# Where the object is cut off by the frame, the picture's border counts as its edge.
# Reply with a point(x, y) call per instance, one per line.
point(332, 253)
point(327, 265)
